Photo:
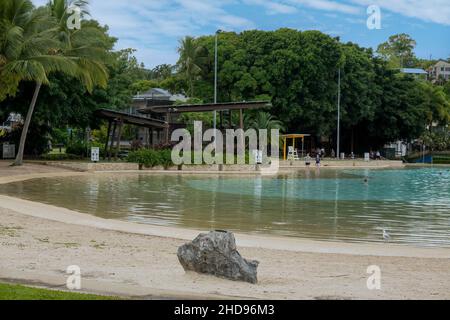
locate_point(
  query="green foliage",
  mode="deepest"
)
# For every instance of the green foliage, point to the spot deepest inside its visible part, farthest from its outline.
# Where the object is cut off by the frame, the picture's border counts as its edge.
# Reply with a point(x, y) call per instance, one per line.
point(124, 71)
point(142, 86)
point(74, 64)
point(298, 72)
point(100, 135)
point(8, 85)
point(441, 160)
point(437, 140)
point(151, 158)
point(398, 51)
point(60, 136)
point(162, 72)
point(35, 43)
point(17, 292)
point(263, 120)
point(37, 140)
point(165, 157)
point(447, 90)
point(175, 84)
point(77, 148)
point(192, 56)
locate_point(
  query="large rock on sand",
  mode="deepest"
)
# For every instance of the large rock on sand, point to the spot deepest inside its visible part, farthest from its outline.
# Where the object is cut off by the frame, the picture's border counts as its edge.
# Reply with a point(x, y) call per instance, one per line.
point(215, 254)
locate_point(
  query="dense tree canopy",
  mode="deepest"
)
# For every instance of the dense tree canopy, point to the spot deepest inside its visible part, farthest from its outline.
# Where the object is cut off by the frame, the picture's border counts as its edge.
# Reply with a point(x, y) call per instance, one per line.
point(297, 71)
point(399, 51)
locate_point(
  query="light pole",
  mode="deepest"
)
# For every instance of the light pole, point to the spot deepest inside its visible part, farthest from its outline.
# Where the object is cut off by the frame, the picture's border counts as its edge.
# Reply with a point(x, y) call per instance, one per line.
point(339, 116)
point(215, 74)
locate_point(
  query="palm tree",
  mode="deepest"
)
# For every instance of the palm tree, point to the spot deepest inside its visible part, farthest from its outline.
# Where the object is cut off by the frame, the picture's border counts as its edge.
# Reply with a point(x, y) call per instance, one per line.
point(31, 49)
point(264, 120)
point(86, 45)
point(191, 59)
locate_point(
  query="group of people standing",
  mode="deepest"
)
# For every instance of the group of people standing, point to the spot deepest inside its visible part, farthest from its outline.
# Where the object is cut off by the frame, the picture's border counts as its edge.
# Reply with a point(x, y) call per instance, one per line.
point(318, 159)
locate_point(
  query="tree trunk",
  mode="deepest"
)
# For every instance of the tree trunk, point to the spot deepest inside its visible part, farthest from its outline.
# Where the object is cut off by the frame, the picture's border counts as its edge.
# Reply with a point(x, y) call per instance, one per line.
point(26, 125)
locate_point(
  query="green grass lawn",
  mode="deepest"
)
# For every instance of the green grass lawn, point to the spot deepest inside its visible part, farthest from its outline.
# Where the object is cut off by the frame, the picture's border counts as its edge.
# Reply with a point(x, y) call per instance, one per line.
point(18, 292)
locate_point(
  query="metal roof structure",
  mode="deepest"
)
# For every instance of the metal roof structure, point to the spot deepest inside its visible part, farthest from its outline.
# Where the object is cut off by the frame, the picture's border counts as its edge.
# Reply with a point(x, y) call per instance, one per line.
point(160, 94)
point(206, 107)
point(413, 71)
point(126, 118)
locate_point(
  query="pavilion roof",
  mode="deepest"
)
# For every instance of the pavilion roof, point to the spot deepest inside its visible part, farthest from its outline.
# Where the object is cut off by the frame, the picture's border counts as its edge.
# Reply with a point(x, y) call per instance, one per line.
point(295, 135)
point(206, 107)
point(126, 118)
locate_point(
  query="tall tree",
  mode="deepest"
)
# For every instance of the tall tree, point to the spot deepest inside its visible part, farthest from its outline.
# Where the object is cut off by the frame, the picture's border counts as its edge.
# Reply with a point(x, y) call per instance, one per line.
point(33, 49)
point(162, 72)
point(263, 120)
point(191, 58)
point(398, 51)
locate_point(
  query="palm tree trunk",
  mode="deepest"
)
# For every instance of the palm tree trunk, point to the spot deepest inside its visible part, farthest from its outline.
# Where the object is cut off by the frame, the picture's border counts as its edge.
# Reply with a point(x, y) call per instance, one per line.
point(26, 125)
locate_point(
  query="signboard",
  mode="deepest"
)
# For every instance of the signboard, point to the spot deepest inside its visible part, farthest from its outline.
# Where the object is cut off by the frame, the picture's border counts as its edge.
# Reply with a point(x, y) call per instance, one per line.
point(9, 151)
point(95, 154)
point(258, 156)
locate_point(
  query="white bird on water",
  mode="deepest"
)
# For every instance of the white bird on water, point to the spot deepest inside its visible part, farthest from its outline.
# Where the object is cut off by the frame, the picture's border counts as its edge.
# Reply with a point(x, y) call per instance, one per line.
point(386, 235)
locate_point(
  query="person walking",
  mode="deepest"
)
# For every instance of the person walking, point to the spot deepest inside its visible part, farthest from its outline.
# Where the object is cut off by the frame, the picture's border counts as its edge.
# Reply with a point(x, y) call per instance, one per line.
point(318, 160)
point(308, 160)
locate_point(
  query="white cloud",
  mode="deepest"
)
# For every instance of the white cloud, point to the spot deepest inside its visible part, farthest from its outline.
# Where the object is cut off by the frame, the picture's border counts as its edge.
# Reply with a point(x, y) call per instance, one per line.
point(153, 27)
point(273, 7)
point(328, 5)
point(437, 11)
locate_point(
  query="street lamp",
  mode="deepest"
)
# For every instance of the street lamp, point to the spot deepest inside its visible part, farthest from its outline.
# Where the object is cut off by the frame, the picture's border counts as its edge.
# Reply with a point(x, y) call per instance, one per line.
point(339, 116)
point(215, 75)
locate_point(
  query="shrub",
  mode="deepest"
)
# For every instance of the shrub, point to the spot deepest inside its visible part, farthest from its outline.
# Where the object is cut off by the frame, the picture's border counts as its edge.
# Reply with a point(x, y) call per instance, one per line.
point(165, 157)
point(146, 157)
point(151, 158)
point(441, 160)
point(77, 148)
point(84, 151)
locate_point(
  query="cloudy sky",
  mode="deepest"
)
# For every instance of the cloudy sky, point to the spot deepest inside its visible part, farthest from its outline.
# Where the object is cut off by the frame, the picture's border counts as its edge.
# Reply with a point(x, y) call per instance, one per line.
point(153, 27)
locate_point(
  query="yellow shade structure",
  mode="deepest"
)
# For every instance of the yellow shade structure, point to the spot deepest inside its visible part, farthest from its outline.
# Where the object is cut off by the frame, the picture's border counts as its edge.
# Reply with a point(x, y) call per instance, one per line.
point(294, 137)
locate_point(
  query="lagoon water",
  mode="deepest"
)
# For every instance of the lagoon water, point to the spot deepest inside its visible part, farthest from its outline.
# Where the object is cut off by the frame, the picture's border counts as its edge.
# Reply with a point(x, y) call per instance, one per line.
point(413, 205)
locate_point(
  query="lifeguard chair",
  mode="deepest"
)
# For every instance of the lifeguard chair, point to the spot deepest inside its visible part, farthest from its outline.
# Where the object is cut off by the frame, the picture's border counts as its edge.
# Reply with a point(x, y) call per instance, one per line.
point(290, 152)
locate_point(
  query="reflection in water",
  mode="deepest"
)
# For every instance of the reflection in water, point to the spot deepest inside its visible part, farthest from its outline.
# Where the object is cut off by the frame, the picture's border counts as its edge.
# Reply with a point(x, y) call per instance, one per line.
point(352, 205)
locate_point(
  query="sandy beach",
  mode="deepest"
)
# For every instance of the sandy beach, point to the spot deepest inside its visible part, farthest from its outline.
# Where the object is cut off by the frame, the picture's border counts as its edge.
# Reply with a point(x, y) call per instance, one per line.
point(38, 242)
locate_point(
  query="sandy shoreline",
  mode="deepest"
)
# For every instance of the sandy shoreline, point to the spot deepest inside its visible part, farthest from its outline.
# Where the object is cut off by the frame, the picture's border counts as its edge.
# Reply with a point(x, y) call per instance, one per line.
point(38, 242)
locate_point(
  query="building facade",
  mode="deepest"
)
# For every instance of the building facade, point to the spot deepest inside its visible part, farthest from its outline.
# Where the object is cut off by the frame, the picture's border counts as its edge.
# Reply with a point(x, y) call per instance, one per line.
point(440, 71)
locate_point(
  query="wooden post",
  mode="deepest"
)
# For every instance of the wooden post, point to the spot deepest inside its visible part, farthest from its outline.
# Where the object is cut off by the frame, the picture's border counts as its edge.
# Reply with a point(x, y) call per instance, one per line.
point(303, 147)
point(241, 119)
point(151, 138)
point(113, 136)
point(107, 140)
point(167, 130)
point(116, 151)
